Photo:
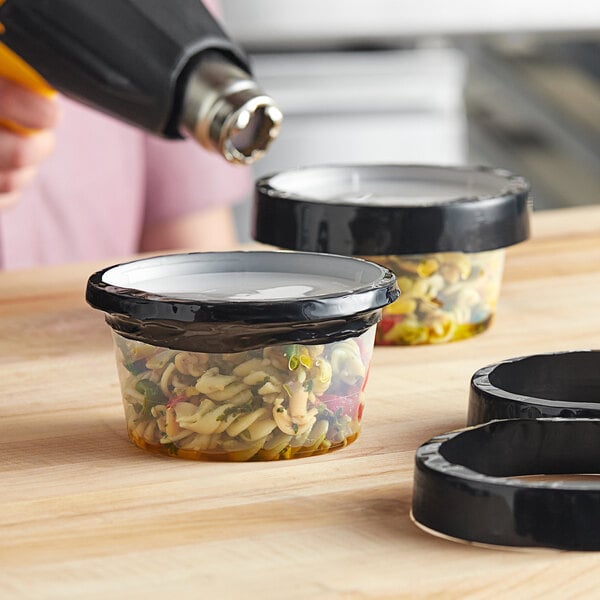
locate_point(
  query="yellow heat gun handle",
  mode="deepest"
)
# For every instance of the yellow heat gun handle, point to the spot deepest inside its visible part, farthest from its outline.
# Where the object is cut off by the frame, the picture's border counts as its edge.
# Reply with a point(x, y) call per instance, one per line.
point(14, 68)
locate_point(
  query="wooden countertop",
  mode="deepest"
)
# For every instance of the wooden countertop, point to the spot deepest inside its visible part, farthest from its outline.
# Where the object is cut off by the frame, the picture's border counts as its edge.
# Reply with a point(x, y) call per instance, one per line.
point(85, 514)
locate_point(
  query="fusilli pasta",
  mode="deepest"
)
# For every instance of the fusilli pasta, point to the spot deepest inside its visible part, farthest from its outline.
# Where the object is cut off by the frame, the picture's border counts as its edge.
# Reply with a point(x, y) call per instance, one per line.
point(273, 403)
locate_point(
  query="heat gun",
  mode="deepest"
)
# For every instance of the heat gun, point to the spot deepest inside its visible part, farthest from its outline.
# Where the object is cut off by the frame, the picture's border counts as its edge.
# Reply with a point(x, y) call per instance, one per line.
point(165, 66)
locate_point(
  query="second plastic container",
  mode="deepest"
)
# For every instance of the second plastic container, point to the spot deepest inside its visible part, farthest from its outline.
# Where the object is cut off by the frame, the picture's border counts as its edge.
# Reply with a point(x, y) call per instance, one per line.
point(441, 230)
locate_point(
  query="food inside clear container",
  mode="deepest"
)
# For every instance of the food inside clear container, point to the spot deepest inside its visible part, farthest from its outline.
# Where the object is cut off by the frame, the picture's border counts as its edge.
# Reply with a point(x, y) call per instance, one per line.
point(241, 356)
point(442, 230)
point(446, 296)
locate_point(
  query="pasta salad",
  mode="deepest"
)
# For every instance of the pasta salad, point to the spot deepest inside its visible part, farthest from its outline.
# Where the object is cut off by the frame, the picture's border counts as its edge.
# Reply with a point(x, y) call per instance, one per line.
point(446, 296)
point(272, 403)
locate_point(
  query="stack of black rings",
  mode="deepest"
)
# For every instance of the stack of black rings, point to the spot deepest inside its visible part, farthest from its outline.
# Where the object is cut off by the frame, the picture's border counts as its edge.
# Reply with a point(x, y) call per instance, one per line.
point(528, 416)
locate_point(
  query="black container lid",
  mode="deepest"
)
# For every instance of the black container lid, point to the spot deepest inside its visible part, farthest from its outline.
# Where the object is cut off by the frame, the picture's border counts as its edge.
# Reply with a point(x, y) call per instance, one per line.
point(469, 484)
point(391, 209)
point(560, 384)
point(235, 301)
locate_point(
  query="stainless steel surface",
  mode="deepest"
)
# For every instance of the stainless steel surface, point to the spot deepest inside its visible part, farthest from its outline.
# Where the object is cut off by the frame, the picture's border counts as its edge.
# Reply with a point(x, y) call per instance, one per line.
point(226, 111)
point(377, 106)
point(274, 24)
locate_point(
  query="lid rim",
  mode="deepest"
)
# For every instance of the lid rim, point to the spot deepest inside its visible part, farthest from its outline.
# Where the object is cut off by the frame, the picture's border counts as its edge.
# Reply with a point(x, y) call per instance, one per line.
point(524, 185)
point(467, 223)
point(148, 307)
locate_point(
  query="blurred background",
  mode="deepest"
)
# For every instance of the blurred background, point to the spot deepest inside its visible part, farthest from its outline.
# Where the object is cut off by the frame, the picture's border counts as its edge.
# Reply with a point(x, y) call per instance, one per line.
point(513, 84)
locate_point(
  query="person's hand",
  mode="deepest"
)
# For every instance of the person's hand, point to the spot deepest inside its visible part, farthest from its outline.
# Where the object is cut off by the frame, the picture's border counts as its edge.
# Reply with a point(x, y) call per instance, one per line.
point(20, 154)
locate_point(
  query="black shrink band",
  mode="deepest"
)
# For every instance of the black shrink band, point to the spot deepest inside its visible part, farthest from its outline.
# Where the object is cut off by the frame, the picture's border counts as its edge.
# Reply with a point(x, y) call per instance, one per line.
point(560, 384)
point(467, 486)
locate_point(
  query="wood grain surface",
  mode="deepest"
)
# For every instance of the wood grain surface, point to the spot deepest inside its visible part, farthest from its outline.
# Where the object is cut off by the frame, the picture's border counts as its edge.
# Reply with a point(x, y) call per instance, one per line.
point(85, 514)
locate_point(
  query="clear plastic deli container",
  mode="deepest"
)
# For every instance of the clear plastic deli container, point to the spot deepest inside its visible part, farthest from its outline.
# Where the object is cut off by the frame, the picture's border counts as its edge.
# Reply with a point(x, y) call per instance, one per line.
point(243, 355)
point(441, 230)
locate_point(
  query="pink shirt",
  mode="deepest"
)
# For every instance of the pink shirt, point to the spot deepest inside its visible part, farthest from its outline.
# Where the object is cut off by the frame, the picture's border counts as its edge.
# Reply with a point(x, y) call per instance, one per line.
point(104, 180)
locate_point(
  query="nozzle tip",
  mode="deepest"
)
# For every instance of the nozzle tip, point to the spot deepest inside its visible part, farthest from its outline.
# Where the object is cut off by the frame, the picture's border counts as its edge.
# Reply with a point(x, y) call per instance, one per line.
point(250, 130)
point(226, 111)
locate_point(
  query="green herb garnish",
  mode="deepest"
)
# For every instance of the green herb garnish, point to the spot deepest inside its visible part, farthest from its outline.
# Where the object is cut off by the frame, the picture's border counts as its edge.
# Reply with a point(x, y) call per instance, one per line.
point(152, 393)
point(243, 409)
point(334, 418)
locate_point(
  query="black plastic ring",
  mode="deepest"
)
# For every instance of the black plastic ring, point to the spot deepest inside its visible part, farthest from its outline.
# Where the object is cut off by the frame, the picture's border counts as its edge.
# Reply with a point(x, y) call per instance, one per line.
point(467, 486)
point(288, 213)
point(212, 323)
point(562, 384)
